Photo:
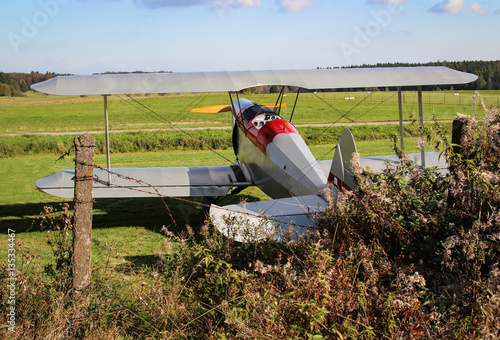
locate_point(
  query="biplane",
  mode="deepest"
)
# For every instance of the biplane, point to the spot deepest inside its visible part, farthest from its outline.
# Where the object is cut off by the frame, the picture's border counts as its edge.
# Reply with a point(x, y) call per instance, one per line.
point(269, 151)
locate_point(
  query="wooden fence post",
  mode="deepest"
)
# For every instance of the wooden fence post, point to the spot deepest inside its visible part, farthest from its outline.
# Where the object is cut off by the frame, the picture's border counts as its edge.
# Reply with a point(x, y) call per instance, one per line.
point(82, 229)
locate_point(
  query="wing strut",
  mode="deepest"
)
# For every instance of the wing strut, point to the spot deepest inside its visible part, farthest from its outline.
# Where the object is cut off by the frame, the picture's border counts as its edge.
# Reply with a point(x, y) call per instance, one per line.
point(294, 104)
point(106, 128)
point(401, 130)
point(421, 115)
point(279, 100)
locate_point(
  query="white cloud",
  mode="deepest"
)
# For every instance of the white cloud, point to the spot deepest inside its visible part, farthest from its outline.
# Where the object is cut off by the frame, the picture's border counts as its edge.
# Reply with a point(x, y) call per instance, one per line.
point(476, 7)
point(453, 6)
point(456, 6)
point(386, 1)
point(248, 3)
point(238, 3)
point(294, 5)
point(448, 6)
point(171, 3)
point(185, 3)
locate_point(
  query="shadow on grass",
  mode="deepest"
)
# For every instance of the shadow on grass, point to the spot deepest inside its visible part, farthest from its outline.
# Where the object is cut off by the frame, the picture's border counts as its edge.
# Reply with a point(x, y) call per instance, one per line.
point(150, 213)
point(136, 264)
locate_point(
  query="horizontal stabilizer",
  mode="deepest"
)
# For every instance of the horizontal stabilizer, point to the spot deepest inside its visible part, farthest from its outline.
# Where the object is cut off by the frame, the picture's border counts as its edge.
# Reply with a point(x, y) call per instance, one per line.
point(272, 219)
point(147, 182)
point(432, 159)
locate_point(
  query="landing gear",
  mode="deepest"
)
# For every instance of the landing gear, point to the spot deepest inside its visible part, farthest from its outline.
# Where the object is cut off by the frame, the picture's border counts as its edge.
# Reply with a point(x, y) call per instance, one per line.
point(207, 202)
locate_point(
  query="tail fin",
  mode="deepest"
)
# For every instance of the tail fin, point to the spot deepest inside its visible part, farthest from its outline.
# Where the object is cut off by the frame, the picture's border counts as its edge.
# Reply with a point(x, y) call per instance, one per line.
point(341, 172)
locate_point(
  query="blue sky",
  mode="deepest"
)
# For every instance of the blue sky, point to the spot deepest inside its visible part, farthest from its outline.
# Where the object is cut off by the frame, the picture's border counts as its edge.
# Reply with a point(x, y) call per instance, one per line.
point(87, 36)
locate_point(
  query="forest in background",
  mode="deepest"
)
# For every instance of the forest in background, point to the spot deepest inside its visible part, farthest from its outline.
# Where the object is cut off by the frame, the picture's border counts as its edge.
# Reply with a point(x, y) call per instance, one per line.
point(15, 84)
point(487, 71)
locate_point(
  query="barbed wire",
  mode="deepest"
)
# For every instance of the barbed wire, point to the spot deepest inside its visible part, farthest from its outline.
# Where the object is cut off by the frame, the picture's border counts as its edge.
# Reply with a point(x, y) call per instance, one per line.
point(97, 179)
point(66, 154)
point(162, 196)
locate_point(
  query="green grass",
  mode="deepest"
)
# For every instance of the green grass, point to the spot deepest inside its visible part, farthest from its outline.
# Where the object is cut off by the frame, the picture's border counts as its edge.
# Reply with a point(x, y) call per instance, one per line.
point(146, 243)
point(165, 140)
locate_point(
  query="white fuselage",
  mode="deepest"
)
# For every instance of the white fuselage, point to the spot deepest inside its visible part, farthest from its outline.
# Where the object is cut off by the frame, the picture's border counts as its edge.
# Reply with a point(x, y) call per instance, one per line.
point(278, 159)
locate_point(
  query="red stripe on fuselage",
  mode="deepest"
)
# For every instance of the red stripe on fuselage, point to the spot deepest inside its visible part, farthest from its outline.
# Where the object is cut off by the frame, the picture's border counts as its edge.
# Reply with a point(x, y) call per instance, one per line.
point(274, 128)
point(261, 137)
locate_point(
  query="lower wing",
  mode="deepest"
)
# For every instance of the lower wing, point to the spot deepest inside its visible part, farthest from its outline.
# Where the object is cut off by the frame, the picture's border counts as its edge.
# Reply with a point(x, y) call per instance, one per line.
point(147, 182)
point(378, 163)
point(274, 219)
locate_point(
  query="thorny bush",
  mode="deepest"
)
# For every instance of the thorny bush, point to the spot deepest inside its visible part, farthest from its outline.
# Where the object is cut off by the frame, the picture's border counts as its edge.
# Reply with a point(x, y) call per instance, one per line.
point(443, 228)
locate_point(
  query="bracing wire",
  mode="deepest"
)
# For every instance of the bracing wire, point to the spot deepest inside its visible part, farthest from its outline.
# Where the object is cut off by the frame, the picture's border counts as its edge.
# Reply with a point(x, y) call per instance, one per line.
point(382, 102)
point(356, 118)
point(342, 114)
point(194, 103)
point(150, 112)
point(141, 107)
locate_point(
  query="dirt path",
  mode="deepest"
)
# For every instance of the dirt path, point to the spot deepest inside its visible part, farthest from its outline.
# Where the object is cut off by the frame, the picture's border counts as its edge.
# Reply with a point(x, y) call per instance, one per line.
point(198, 128)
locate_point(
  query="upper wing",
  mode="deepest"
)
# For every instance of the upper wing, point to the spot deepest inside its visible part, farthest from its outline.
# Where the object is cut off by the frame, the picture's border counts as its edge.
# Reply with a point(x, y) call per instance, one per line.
point(108, 84)
point(147, 182)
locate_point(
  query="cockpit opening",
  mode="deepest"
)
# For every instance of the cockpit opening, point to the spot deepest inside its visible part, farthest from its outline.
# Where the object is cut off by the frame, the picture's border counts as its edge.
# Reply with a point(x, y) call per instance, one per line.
point(262, 119)
point(254, 110)
point(256, 114)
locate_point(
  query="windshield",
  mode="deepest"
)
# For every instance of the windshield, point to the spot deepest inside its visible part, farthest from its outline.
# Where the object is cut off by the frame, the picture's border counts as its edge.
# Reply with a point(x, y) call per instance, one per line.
point(254, 110)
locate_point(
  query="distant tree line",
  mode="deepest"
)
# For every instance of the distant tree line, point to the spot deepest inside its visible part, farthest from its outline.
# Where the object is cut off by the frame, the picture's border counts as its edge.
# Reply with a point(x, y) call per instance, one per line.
point(15, 84)
point(487, 71)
